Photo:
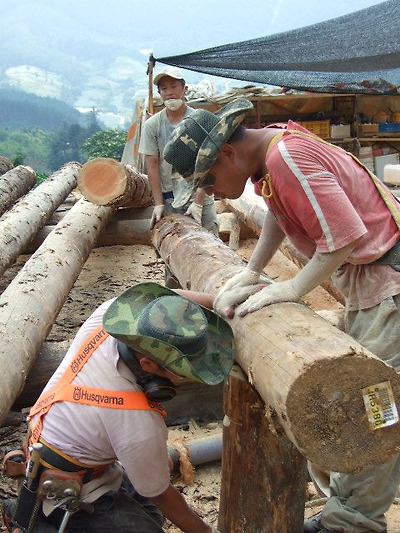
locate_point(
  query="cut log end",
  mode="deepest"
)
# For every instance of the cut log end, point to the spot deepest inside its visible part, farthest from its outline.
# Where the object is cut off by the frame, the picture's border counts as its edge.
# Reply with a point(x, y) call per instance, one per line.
point(331, 413)
point(102, 180)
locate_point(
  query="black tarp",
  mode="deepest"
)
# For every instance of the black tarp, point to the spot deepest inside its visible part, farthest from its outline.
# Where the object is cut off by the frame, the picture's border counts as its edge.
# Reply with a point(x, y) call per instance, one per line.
point(355, 53)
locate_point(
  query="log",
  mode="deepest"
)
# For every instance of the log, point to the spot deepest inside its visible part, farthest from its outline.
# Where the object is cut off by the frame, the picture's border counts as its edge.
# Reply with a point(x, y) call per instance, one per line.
point(256, 463)
point(104, 181)
point(20, 224)
point(127, 227)
point(251, 209)
point(5, 165)
point(309, 373)
point(14, 184)
point(31, 302)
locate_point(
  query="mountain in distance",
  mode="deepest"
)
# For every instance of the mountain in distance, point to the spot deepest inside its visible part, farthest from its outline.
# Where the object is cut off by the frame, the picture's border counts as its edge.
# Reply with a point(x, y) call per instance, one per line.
point(52, 52)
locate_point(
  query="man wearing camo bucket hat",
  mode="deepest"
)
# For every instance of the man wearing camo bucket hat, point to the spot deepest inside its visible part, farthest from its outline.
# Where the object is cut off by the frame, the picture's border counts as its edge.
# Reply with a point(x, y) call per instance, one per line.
point(99, 414)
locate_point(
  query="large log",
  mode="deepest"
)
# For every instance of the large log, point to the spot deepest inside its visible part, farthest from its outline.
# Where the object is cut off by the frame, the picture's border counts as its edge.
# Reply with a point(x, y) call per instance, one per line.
point(127, 227)
point(104, 181)
point(20, 224)
point(309, 373)
point(30, 304)
point(5, 165)
point(250, 209)
point(257, 465)
point(14, 184)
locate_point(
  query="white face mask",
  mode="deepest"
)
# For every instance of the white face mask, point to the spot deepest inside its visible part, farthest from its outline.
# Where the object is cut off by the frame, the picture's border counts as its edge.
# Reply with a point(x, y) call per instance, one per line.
point(173, 104)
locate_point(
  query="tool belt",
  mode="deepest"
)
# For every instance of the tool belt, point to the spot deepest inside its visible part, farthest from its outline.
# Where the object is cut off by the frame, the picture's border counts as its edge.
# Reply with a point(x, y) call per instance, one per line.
point(391, 257)
point(14, 464)
point(53, 458)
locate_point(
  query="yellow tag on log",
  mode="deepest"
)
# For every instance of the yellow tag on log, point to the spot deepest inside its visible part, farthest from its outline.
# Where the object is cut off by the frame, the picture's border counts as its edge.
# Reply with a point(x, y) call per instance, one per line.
point(380, 405)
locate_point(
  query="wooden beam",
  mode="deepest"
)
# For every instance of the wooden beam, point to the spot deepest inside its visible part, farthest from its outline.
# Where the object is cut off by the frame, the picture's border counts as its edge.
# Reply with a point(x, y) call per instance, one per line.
point(309, 373)
point(31, 302)
point(14, 184)
point(5, 165)
point(257, 464)
point(21, 223)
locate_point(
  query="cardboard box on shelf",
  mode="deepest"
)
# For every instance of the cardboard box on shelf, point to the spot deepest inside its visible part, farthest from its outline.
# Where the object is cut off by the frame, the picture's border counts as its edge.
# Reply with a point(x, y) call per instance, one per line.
point(369, 128)
point(340, 131)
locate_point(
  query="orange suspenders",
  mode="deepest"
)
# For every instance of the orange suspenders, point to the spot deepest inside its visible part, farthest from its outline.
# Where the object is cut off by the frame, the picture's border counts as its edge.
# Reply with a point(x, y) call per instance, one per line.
point(65, 391)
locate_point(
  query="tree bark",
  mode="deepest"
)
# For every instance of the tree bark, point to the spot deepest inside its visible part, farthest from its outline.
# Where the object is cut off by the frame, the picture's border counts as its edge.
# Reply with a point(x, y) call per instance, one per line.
point(257, 463)
point(30, 304)
point(5, 165)
point(308, 372)
point(20, 224)
point(251, 209)
point(104, 181)
point(14, 184)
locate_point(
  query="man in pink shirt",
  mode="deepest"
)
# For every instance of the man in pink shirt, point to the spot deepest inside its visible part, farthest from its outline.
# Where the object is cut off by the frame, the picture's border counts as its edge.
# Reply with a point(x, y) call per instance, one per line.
point(343, 220)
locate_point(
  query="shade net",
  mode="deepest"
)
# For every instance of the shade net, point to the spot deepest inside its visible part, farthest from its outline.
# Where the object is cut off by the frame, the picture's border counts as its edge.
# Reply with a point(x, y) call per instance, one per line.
point(355, 53)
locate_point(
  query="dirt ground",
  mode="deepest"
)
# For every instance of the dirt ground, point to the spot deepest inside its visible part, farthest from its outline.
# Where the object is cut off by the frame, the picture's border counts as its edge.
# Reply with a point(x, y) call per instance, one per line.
point(108, 272)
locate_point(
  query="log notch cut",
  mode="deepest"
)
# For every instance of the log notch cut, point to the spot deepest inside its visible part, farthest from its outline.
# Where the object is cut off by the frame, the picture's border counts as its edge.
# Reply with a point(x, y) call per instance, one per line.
point(30, 304)
point(104, 181)
point(250, 470)
point(21, 223)
point(14, 184)
point(5, 165)
point(250, 209)
point(308, 372)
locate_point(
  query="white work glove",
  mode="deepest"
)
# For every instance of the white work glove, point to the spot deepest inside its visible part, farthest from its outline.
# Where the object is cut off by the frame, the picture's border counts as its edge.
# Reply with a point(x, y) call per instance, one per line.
point(157, 215)
point(195, 211)
point(241, 279)
point(282, 291)
point(226, 301)
point(213, 530)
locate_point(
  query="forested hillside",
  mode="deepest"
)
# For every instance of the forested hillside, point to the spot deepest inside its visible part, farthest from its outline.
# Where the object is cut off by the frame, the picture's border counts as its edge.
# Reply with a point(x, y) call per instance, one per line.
point(19, 109)
point(45, 133)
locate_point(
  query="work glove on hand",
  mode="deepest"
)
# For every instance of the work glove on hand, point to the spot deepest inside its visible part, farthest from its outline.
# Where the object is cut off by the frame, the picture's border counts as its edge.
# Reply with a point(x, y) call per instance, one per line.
point(282, 291)
point(213, 530)
point(225, 302)
point(157, 215)
point(242, 279)
point(195, 211)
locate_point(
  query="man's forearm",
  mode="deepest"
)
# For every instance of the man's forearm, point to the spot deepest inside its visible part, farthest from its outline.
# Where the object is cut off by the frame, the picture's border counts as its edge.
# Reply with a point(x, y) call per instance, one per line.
point(153, 174)
point(174, 507)
point(267, 244)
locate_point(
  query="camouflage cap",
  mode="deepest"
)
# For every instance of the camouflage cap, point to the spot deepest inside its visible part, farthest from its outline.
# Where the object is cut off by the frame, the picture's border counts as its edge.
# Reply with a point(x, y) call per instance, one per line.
point(195, 143)
point(178, 334)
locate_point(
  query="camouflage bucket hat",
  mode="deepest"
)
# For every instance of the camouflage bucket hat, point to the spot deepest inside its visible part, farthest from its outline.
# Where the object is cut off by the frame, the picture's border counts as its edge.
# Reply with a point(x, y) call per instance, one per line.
point(178, 334)
point(195, 143)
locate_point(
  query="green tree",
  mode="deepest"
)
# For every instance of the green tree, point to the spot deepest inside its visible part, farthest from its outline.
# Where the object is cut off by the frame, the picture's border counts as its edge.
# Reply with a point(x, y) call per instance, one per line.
point(109, 143)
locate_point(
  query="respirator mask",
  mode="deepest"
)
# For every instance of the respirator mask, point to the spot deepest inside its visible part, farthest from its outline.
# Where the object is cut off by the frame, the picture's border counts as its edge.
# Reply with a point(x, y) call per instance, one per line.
point(173, 104)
